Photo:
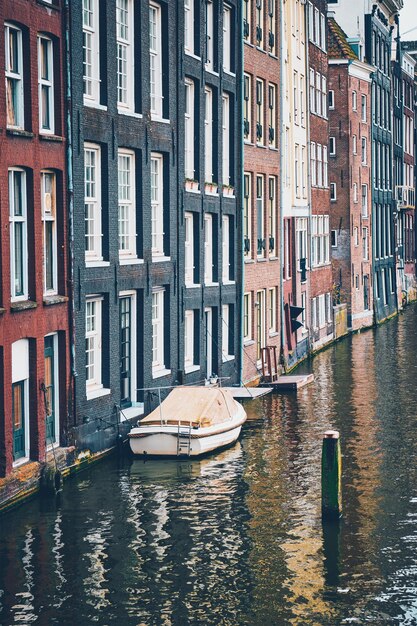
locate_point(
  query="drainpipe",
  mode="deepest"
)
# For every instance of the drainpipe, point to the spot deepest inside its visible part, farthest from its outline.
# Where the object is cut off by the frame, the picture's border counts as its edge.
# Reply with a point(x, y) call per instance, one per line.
point(70, 184)
point(240, 200)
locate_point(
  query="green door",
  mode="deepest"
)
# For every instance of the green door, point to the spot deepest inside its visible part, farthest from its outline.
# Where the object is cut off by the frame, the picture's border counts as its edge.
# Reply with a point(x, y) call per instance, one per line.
point(18, 410)
point(49, 393)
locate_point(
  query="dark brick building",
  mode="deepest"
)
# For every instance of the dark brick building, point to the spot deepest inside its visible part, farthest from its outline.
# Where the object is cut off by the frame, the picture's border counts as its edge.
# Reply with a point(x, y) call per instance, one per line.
point(34, 338)
point(157, 227)
point(261, 185)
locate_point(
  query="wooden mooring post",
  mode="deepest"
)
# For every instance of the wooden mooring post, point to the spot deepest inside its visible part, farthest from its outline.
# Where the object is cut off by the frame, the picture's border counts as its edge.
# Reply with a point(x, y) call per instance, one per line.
point(331, 476)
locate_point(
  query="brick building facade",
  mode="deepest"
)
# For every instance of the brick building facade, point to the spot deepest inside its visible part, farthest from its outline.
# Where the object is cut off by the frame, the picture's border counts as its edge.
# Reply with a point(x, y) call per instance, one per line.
point(34, 336)
point(262, 238)
point(321, 292)
point(350, 178)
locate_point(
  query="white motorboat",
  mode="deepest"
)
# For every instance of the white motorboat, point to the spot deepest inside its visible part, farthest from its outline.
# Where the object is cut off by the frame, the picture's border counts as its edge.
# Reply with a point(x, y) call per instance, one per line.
point(191, 421)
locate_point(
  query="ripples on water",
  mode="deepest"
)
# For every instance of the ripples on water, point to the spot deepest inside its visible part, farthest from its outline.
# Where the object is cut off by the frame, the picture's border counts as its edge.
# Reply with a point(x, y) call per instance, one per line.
point(237, 539)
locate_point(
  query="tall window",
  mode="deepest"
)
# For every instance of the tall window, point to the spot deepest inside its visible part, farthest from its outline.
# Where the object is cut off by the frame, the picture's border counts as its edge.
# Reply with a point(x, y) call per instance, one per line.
point(189, 249)
point(272, 116)
point(272, 215)
point(189, 129)
point(260, 217)
point(226, 138)
point(209, 35)
point(208, 135)
point(158, 330)
point(92, 202)
point(247, 214)
point(247, 105)
point(189, 340)
point(46, 85)
point(48, 202)
point(125, 55)
point(320, 240)
point(18, 235)
point(271, 19)
point(226, 248)
point(227, 332)
point(189, 26)
point(14, 76)
point(93, 342)
point(272, 312)
point(259, 111)
point(313, 163)
point(127, 205)
point(363, 108)
point(364, 200)
point(157, 204)
point(208, 249)
point(127, 330)
point(227, 39)
point(155, 50)
point(364, 151)
point(301, 239)
point(247, 316)
point(91, 65)
point(20, 399)
point(259, 22)
point(247, 13)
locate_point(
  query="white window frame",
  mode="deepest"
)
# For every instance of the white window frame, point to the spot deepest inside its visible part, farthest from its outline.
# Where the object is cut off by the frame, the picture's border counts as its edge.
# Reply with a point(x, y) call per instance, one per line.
point(91, 51)
point(272, 312)
point(332, 146)
point(260, 111)
point(226, 249)
point(355, 193)
point(272, 215)
point(126, 204)
point(93, 253)
point(189, 45)
point(157, 204)
point(155, 62)
point(189, 342)
point(226, 138)
point(189, 143)
point(227, 38)
point(313, 162)
point(260, 215)
point(208, 135)
point(325, 168)
point(46, 85)
point(333, 192)
point(14, 220)
point(364, 196)
point(354, 144)
point(272, 92)
point(247, 212)
point(20, 374)
point(247, 317)
point(363, 108)
point(354, 101)
point(331, 99)
point(14, 77)
point(247, 107)
point(158, 330)
point(226, 356)
point(209, 61)
point(189, 261)
point(133, 343)
point(208, 249)
point(125, 55)
point(48, 206)
point(364, 146)
point(94, 339)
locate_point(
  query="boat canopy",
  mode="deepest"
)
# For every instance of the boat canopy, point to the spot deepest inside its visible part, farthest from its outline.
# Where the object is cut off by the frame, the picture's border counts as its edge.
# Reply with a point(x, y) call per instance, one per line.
point(196, 406)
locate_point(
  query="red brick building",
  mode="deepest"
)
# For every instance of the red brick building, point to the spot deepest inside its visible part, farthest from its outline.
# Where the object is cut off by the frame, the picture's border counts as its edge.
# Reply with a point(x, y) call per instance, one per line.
point(350, 178)
point(321, 298)
point(34, 354)
point(261, 311)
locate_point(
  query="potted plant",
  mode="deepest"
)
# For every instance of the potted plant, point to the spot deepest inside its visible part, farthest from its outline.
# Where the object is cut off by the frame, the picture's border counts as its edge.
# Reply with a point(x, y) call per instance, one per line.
point(191, 184)
point(210, 187)
point(228, 190)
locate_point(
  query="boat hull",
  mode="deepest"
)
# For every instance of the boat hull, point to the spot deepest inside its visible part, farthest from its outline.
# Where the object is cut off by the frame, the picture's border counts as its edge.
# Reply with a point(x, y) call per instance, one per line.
point(165, 443)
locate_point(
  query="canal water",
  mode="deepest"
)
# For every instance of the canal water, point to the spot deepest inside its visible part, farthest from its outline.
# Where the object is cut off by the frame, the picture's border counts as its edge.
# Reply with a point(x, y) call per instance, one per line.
point(237, 538)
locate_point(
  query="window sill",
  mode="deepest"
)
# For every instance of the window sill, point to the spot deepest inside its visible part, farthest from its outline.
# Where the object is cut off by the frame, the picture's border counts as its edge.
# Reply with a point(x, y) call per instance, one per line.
point(20, 462)
point(132, 261)
point(23, 305)
point(94, 393)
point(229, 73)
point(191, 368)
point(260, 145)
point(191, 55)
point(228, 357)
point(160, 373)
point(160, 259)
point(162, 120)
point(131, 412)
point(210, 70)
point(261, 259)
point(249, 261)
point(94, 105)
point(211, 284)
point(2, 310)
point(49, 300)
point(273, 258)
point(97, 263)
point(273, 333)
point(229, 282)
point(248, 342)
point(128, 113)
point(48, 5)
point(192, 285)
point(19, 132)
point(50, 137)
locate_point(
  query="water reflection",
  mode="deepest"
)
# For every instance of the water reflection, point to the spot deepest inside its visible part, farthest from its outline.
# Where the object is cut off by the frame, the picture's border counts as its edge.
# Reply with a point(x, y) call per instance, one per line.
point(237, 538)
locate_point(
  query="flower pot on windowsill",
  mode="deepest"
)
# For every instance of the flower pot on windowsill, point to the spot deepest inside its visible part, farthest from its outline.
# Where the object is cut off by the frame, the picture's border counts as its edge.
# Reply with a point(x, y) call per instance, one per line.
point(191, 185)
point(211, 188)
point(228, 191)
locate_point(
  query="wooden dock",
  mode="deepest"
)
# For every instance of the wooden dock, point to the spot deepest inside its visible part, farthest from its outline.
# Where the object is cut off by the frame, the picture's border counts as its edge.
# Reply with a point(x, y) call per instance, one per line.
point(290, 383)
point(249, 393)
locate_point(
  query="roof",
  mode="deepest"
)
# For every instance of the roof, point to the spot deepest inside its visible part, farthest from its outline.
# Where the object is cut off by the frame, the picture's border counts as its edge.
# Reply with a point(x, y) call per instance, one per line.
point(201, 406)
point(338, 45)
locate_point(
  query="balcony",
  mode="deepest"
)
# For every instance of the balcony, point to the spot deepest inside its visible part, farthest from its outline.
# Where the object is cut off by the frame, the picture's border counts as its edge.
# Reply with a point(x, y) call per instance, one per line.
point(405, 197)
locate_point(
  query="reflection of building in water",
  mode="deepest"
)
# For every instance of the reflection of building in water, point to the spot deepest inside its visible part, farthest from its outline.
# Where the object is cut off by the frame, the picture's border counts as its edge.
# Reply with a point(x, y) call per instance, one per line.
point(96, 582)
point(189, 551)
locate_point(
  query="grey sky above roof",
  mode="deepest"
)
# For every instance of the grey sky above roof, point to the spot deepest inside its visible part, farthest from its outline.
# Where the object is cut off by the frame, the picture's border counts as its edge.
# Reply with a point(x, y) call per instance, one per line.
point(408, 20)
